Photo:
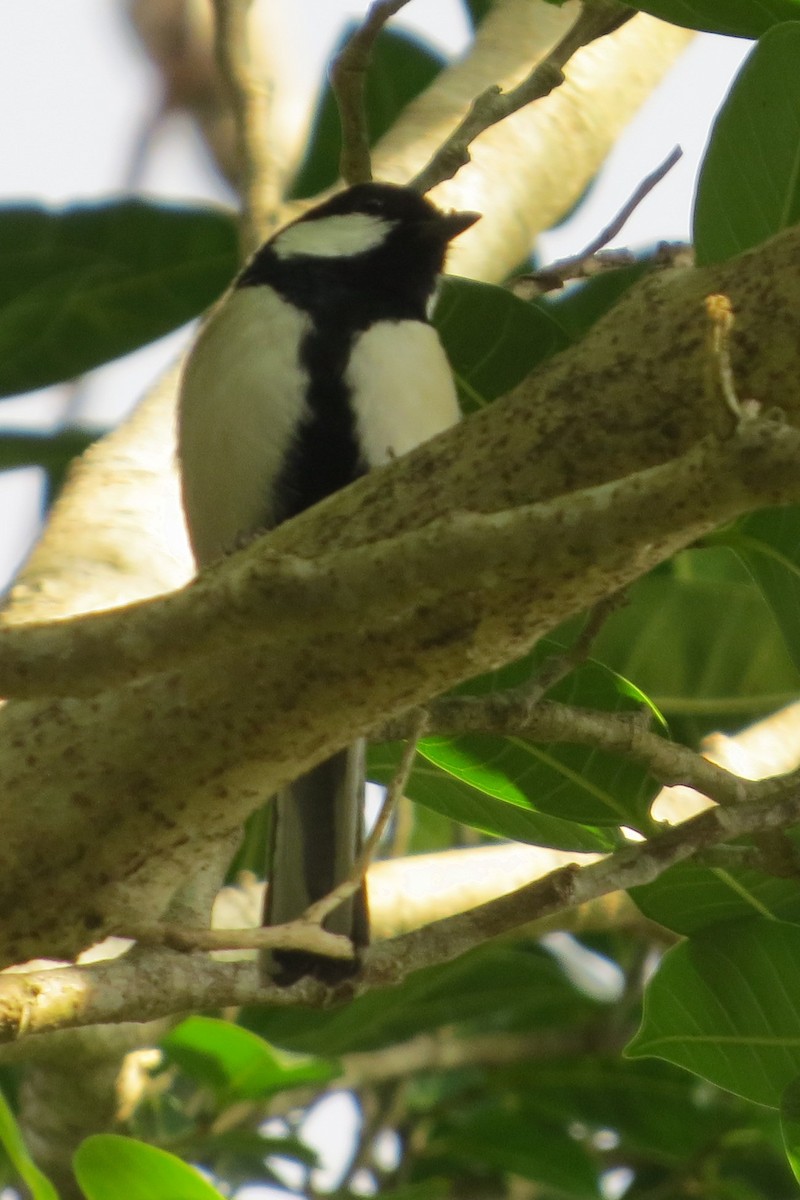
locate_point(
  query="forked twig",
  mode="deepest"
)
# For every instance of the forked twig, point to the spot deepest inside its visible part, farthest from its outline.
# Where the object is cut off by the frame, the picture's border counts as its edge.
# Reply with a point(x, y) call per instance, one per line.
point(553, 277)
point(596, 18)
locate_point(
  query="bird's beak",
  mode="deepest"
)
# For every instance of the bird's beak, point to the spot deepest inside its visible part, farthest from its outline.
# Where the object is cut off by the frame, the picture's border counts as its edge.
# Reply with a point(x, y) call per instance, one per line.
point(450, 225)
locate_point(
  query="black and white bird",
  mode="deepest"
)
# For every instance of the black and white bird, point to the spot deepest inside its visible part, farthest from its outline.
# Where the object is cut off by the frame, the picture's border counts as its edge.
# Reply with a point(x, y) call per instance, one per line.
point(319, 364)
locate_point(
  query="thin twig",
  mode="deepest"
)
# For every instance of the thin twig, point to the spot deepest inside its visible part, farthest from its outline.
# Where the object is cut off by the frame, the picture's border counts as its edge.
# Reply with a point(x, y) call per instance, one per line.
point(138, 988)
point(635, 865)
point(318, 911)
point(348, 72)
point(493, 105)
point(549, 279)
point(510, 713)
point(251, 101)
point(294, 935)
point(558, 666)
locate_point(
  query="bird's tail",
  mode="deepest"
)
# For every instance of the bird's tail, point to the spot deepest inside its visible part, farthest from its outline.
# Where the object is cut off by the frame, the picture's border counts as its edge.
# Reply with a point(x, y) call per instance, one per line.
point(317, 833)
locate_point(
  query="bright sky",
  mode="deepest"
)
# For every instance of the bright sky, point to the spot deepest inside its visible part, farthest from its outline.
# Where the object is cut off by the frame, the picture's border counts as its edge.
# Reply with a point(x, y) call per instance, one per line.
point(77, 90)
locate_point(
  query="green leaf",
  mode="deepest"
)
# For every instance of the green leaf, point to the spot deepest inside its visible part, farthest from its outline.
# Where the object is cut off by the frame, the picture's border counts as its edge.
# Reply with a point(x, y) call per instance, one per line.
point(441, 781)
point(739, 18)
point(790, 1125)
point(726, 1005)
point(37, 1184)
point(680, 638)
point(768, 543)
point(749, 186)
point(688, 898)
point(85, 285)
point(529, 791)
point(51, 451)
point(109, 1167)
point(238, 1064)
point(401, 67)
point(432, 1188)
point(492, 338)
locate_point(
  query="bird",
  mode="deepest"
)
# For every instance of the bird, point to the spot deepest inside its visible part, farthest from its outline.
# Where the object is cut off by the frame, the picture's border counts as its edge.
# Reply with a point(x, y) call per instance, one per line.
point(319, 364)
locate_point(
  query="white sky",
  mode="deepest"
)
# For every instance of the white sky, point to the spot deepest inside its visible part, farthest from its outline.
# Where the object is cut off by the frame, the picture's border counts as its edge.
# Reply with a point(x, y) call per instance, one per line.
point(76, 91)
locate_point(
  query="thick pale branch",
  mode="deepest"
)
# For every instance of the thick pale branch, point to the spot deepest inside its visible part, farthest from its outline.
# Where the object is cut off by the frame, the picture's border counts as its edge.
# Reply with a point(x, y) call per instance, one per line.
point(594, 19)
point(249, 96)
point(613, 531)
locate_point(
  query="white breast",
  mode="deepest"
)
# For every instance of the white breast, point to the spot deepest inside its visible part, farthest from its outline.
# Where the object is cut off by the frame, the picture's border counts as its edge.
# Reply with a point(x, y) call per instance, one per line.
point(402, 388)
point(242, 397)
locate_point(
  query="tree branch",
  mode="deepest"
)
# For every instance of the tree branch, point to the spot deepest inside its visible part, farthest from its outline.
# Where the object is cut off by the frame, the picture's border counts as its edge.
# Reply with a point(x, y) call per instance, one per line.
point(595, 19)
point(156, 983)
point(144, 780)
point(579, 266)
point(250, 99)
point(270, 598)
point(348, 72)
point(511, 713)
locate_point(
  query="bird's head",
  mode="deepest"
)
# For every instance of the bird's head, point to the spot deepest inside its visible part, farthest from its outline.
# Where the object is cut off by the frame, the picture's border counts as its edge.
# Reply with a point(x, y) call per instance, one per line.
point(393, 227)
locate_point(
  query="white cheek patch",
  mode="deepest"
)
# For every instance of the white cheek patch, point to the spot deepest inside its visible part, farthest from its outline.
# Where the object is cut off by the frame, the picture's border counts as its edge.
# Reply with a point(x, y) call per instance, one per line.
point(402, 389)
point(331, 237)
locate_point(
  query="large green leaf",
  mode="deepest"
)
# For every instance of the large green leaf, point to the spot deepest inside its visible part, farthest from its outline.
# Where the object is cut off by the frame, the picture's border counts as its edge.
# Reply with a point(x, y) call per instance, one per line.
point(85, 285)
point(679, 638)
point(768, 542)
point(726, 1005)
point(739, 18)
point(749, 186)
point(688, 898)
point(37, 1184)
point(400, 69)
point(109, 1167)
point(534, 792)
point(492, 338)
point(237, 1064)
point(442, 779)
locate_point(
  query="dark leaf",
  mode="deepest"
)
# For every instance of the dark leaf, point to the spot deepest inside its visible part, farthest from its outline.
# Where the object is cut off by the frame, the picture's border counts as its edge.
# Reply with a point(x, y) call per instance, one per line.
point(739, 18)
point(492, 338)
point(85, 285)
point(749, 186)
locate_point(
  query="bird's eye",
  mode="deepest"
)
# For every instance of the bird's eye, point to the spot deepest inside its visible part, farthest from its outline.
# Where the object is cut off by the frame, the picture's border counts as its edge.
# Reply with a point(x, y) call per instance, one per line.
point(373, 205)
